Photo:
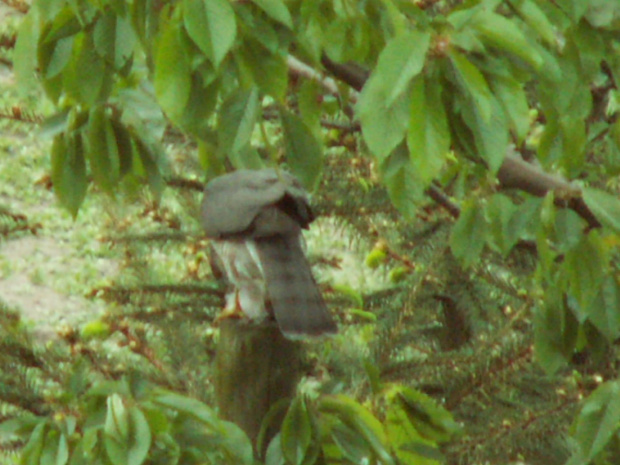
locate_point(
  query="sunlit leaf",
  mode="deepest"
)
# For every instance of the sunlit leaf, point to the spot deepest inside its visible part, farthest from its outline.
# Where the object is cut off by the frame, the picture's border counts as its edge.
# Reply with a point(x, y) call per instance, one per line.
point(296, 432)
point(428, 137)
point(504, 34)
point(351, 444)
point(102, 150)
point(211, 25)
point(140, 437)
point(148, 160)
point(598, 420)
point(603, 313)
point(474, 83)
point(536, 19)
point(277, 10)
point(69, 171)
point(31, 453)
point(469, 233)
point(172, 78)
point(274, 454)
point(404, 187)
point(360, 420)
point(264, 68)
point(383, 107)
point(85, 76)
point(402, 60)
point(585, 266)
point(511, 94)
point(555, 332)
point(303, 151)
point(237, 117)
point(25, 55)
point(606, 207)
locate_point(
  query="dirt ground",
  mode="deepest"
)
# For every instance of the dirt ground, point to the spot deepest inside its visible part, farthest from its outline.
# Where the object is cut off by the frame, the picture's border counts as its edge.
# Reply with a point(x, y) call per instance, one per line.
point(36, 269)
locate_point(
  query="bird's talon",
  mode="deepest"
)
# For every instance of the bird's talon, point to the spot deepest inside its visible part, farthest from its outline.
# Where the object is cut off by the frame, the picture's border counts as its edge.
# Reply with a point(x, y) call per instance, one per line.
point(232, 313)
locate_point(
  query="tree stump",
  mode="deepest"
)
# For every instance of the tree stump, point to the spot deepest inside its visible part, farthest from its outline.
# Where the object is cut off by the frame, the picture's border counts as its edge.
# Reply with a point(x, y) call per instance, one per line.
point(255, 367)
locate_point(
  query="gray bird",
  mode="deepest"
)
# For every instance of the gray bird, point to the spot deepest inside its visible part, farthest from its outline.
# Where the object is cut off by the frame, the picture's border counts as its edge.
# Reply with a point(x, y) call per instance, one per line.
point(255, 219)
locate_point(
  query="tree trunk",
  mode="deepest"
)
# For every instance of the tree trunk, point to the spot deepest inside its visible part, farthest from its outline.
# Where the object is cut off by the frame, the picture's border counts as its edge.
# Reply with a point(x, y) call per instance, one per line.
point(255, 367)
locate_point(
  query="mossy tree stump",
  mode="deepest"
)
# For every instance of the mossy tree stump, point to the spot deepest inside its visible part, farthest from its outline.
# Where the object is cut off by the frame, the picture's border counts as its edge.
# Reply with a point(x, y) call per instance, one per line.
point(255, 367)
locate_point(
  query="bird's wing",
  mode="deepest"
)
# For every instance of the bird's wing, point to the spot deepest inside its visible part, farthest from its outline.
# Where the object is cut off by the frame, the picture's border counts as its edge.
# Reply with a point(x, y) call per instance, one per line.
point(232, 202)
point(295, 298)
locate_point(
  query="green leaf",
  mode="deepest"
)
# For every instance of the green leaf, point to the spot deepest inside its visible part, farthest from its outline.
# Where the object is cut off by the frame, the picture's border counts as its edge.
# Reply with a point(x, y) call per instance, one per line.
point(400, 178)
point(504, 34)
point(62, 452)
point(212, 26)
point(490, 136)
point(55, 450)
point(69, 171)
point(124, 147)
point(309, 97)
point(116, 431)
point(349, 293)
point(383, 106)
point(114, 39)
point(237, 117)
point(473, 83)
point(469, 233)
point(555, 331)
point(64, 24)
point(246, 158)
point(513, 100)
point(202, 100)
point(402, 59)
point(172, 78)
point(260, 66)
point(55, 57)
point(383, 128)
point(500, 212)
point(140, 437)
point(574, 139)
point(606, 207)
point(585, 266)
point(361, 421)
point(236, 444)
point(428, 137)
point(31, 453)
point(54, 125)
point(598, 420)
point(274, 454)
point(25, 55)
point(536, 19)
point(604, 314)
point(102, 150)
point(85, 76)
point(429, 419)
point(407, 441)
point(117, 419)
point(148, 161)
point(304, 154)
point(296, 433)
point(522, 221)
point(351, 445)
point(189, 406)
point(277, 10)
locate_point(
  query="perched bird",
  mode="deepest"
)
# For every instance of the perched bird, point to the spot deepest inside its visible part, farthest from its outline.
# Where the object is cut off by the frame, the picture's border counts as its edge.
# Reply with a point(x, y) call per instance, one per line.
point(255, 219)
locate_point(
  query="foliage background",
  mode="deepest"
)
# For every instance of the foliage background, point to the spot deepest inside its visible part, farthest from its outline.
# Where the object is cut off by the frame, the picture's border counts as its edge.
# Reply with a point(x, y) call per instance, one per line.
point(490, 285)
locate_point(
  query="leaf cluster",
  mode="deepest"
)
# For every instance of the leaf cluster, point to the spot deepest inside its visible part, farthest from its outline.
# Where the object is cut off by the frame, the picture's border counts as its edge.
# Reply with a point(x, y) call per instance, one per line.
point(438, 99)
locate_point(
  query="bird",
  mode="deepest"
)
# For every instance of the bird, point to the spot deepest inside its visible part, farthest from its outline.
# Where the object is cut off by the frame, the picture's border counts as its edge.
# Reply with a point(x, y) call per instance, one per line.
point(255, 219)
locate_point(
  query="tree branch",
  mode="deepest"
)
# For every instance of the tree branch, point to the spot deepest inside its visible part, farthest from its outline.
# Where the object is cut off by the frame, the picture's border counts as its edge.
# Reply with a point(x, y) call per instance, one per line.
point(514, 172)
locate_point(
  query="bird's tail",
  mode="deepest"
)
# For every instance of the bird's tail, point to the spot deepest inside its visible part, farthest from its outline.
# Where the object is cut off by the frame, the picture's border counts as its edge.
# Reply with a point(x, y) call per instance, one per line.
point(297, 303)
